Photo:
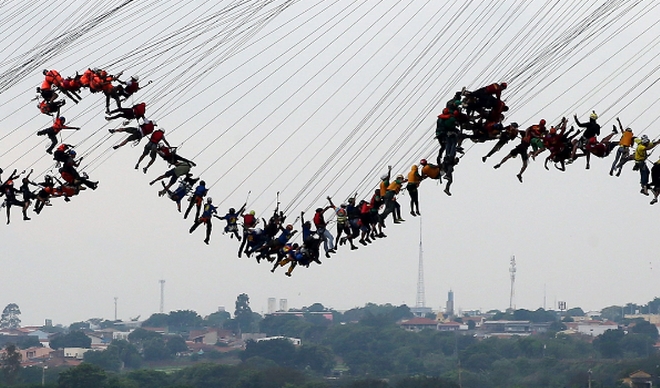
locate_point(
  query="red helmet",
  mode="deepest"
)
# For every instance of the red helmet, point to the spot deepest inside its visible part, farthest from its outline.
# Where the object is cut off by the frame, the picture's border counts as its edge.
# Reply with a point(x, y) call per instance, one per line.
point(422, 162)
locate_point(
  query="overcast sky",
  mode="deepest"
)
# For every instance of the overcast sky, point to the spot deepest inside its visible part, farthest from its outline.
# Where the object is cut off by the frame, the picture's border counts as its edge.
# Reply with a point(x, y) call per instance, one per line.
point(313, 99)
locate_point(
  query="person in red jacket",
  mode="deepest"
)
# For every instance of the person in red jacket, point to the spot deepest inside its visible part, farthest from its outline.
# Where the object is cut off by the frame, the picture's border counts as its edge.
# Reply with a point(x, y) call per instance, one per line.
point(151, 148)
point(51, 132)
point(135, 112)
point(136, 134)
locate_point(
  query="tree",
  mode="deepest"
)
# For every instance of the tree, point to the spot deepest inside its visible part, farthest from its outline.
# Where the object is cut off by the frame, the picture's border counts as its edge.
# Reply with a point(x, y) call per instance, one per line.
point(11, 364)
point(155, 349)
point(79, 326)
point(609, 343)
point(74, 339)
point(217, 318)
point(646, 328)
point(82, 376)
point(9, 318)
point(140, 335)
point(156, 320)
point(183, 320)
point(574, 312)
point(176, 344)
point(281, 351)
point(243, 312)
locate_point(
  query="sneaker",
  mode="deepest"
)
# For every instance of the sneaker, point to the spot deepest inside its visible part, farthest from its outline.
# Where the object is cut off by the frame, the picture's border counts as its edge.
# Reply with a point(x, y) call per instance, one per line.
point(111, 130)
point(483, 159)
point(519, 177)
point(287, 274)
point(418, 213)
point(363, 243)
point(144, 170)
point(644, 191)
point(397, 221)
point(354, 248)
point(412, 213)
point(497, 166)
point(447, 192)
point(115, 147)
point(327, 254)
point(653, 201)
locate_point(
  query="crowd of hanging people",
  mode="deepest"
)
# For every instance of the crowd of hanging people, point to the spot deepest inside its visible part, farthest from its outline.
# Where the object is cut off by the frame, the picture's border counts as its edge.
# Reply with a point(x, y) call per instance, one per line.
point(476, 115)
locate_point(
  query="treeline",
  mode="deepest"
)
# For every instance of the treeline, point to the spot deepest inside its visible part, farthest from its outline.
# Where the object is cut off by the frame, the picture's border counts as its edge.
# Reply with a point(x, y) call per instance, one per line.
point(360, 343)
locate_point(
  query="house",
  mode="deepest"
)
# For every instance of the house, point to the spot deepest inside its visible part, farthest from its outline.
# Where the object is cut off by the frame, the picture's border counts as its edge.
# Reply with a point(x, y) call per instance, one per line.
point(510, 328)
point(595, 328)
point(35, 352)
point(450, 326)
point(211, 336)
point(639, 379)
point(295, 341)
point(76, 353)
point(419, 324)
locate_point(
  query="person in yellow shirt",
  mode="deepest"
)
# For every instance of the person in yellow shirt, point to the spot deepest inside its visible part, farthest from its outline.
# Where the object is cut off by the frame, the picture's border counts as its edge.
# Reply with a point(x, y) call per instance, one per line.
point(640, 156)
point(623, 152)
point(391, 206)
point(655, 181)
point(413, 183)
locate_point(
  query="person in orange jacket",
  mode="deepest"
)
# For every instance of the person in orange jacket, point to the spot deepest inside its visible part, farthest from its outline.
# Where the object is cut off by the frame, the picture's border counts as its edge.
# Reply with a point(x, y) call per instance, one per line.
point(414, 180)
point(51, 132)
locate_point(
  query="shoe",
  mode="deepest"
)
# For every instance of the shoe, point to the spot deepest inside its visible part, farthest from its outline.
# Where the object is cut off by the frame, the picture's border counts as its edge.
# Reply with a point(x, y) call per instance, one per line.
point(111, 130)
point(363, 243)
point(483, 159)
point(136, 166)
point(519, 177)
point(144, 170)
point(645, 191)
point(206, 242)
point(115, 147)
point(401, 220)
point(287, 274)
point(418, 213)
point(653, 201)
point(272, 270)
point(354, 248)
point(382, 235)
point(327, 254)
point(447, 192)
point(367, 240)
point(611, 172)
point(587, 167)
point(333, 250)
point(94, 185)
point(497, 166)
point(412, 213)
point(26, 218)
point(49, 152)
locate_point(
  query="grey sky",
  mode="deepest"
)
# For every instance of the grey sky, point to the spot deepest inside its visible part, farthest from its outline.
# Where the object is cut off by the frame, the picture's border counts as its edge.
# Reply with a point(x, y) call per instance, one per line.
point(373, 73)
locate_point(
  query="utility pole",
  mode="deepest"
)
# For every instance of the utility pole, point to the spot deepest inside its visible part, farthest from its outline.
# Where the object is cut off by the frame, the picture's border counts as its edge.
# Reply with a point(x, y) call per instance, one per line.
point(116, 308)
point(162, 295)
point(421, 298)
point(512, 273)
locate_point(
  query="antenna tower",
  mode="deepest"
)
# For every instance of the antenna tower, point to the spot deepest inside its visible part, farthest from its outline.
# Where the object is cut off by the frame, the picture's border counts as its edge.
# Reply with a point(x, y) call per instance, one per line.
point(512, 272)
point(421, 298)
point(162, 295)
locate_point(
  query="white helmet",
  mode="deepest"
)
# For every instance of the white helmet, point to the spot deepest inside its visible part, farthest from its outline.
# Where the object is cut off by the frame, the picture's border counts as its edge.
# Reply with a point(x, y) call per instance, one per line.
point(136, 77)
